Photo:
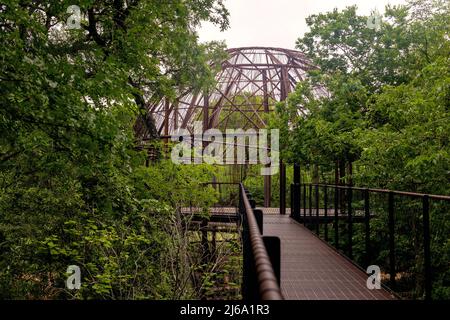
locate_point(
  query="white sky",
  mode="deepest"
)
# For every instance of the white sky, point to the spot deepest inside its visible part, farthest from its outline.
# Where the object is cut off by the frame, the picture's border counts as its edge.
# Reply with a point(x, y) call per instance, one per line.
point(277, 23)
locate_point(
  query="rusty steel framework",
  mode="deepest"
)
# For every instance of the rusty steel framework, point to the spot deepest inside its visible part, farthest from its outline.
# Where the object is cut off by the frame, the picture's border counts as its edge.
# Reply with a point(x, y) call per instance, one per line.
point(250, 82)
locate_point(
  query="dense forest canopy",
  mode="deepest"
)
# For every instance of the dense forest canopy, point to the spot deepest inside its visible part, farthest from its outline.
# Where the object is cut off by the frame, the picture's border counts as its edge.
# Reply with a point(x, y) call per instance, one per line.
point(388, 103)
point(73, 189)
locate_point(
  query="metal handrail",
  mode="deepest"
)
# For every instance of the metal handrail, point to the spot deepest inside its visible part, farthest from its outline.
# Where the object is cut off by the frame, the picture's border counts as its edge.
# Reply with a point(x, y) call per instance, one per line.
point(395, 192)
point(302, 197)
point(267, 281)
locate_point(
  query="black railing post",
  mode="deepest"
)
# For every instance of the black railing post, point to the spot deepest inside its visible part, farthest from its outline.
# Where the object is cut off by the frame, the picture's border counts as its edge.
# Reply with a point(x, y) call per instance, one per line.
point(295, 193)
point(292, 201)
point(350, 221)
point(427, 246)
point(296, 173)
point(282, 187)
point(317, 210)
point(304, 204)
point(310, 205)
point(336, 218)
point(273, 246)
point(367, 225)
point(299, 201)
point(295, 201)
point(259, 219)
point(325, 204)
point(391, 240)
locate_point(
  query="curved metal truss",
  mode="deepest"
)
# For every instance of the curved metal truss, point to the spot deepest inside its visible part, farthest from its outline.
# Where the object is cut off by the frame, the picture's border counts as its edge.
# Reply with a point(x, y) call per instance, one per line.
point(252, 80)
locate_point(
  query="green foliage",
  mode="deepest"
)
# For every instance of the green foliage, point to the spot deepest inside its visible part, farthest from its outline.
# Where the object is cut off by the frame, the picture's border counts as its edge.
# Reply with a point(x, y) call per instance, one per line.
point(386, 110)
point(73, 189)
point(393, 127)
point(409, 136)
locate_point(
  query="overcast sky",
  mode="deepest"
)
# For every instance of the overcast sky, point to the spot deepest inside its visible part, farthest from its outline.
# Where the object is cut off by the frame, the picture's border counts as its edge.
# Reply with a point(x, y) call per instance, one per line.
point(277, 23)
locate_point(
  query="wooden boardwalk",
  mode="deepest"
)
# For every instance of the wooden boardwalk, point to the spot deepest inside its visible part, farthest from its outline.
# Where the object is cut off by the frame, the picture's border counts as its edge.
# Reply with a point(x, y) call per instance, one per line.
point(312, 270)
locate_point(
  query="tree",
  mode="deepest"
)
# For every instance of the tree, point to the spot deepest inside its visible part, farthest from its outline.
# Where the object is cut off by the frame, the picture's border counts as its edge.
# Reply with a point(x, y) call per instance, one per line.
point(70, 176)
point(356, 64)
point(387, 111)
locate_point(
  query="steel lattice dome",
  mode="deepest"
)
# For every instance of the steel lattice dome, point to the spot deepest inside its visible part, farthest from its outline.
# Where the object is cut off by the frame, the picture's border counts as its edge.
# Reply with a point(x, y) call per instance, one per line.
point(250, 82)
